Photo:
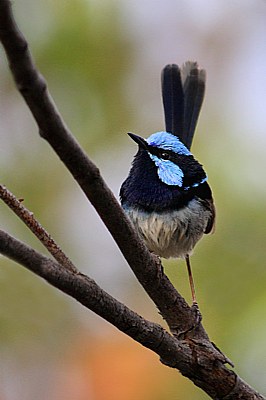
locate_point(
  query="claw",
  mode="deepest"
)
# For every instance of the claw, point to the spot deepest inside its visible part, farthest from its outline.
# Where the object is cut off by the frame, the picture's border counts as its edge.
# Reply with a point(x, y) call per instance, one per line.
point(198, 315)
point(197, 320)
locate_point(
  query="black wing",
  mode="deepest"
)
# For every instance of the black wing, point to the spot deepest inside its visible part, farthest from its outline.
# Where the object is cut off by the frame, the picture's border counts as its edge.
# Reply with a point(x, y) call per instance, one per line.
point(183, 93)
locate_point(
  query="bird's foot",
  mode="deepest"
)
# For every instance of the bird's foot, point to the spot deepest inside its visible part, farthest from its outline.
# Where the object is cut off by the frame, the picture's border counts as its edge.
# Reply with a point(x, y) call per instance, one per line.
point(197, 314)
point(197, 318)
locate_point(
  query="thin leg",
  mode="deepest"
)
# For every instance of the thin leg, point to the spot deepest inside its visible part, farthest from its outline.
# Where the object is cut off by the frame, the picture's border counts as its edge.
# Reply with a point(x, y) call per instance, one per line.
point(191, 282)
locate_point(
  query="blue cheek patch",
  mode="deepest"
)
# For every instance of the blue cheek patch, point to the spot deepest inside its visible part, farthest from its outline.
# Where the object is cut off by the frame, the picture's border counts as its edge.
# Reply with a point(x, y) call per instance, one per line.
point(168, 172)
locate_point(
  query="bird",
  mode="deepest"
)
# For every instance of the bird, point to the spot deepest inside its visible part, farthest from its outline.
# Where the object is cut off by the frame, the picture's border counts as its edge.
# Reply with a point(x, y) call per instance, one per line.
point(166, 195)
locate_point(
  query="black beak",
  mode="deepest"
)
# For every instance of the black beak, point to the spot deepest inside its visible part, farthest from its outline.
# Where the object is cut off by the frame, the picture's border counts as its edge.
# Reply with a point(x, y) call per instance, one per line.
point(139, 140)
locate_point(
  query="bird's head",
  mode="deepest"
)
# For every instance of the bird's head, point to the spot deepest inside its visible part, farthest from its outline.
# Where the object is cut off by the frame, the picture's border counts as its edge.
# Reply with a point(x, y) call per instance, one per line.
point(175, 164)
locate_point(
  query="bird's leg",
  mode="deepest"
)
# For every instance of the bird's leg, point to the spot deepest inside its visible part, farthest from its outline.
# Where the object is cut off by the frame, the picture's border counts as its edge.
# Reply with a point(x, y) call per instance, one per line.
point(191, 282)
point(195, 306)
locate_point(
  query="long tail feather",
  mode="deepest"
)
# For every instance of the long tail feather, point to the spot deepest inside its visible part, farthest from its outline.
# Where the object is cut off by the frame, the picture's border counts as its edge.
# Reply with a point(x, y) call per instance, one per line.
point(173, 99)
point(193, 80)
point(183, 93)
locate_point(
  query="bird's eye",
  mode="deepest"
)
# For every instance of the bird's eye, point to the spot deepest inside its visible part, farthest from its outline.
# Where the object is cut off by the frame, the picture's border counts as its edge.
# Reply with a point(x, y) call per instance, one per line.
point(165, 156)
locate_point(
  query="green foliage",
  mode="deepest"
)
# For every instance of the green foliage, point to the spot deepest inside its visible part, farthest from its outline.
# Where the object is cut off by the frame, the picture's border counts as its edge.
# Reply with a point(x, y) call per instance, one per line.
point(85, 58)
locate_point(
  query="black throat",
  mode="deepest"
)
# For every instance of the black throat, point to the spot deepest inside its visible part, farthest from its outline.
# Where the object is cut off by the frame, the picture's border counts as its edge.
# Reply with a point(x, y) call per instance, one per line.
point(144, 190)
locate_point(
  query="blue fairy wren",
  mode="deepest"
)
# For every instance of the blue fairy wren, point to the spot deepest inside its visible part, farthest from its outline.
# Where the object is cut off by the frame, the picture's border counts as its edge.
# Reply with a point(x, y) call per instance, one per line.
point(166, 195)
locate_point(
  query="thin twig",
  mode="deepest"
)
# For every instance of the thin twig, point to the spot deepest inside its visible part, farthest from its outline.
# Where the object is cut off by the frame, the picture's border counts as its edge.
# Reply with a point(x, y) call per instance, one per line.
point(28, 218)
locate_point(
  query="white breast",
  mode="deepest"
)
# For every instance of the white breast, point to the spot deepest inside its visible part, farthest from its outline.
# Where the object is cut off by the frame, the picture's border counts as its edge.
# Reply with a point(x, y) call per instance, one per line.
point(172, 233)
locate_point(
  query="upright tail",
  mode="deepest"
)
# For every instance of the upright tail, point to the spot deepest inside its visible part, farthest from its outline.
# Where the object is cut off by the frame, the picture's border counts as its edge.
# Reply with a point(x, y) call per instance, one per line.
point(183, 93)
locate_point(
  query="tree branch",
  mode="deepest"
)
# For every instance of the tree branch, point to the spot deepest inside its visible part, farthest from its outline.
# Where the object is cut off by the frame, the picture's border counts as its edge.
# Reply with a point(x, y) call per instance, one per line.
point(88, 293)
point(192, 353)
point(174, 353)
point(33, 88)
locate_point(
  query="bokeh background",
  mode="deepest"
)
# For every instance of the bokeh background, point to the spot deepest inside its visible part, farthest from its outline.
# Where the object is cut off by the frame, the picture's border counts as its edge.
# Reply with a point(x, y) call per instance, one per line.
point(102, 61)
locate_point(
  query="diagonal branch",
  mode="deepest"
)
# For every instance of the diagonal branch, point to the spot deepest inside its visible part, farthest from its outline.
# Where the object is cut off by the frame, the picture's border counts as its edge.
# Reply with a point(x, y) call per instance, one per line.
point(212, 376)
point(193, 354)
point(33, 88)
point(88, 293)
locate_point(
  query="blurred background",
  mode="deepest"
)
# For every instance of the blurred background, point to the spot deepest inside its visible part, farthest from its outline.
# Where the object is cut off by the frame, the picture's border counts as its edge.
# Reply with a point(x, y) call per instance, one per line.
point(102, 61)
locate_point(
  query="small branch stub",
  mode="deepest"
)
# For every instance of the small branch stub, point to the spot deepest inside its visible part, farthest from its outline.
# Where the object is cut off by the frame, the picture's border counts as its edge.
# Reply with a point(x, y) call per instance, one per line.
point(28, 218)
